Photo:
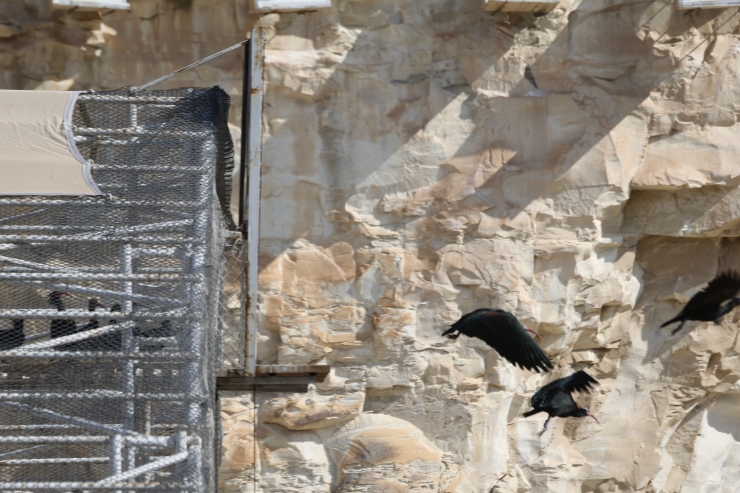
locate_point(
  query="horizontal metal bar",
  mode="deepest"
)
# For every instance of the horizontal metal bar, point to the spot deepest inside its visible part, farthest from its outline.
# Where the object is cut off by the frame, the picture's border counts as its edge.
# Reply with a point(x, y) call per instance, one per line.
point(265, 384)
point(99, 98)
point(140, 132)
point(50, 313)
point(158, 270)
point(89, 424)
point(54, 439)
point(71, 288)
point(99, 230)
point(21, 451)
point(79, 336)
point(160, 356)
point(184, 169)
point(152, 466)
point(61, 460)
point(100, 394)
point(180, 204)
point(49, 426)
point(97, 237)
point(53, 485)
point(91, 276)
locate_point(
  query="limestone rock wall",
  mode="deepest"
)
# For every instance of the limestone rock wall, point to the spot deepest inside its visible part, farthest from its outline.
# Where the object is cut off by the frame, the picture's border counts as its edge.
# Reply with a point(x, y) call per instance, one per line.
point(425, 158)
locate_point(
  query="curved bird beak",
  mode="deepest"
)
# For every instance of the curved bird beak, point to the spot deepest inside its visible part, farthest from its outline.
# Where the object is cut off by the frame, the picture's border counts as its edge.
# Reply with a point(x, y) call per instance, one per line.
point(64, 293)
point(533, 332)
point(594, 417)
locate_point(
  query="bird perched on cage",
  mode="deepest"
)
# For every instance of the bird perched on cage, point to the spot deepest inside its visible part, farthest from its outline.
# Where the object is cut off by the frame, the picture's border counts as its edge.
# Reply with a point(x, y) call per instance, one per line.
point(503, 332)
point(97, 343)
point(712, 303)
point(60, 327)
point(165, 329)
point(14, 337)
point(556, 400)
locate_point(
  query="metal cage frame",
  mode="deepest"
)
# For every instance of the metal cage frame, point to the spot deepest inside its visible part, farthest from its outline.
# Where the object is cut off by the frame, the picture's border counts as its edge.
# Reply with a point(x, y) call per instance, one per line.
point(143, 453)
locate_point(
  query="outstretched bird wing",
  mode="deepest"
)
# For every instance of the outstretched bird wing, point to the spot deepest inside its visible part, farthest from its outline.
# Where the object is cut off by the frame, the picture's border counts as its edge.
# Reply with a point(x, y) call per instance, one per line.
point(503, 332)
point(580, 381)
point(720, 289)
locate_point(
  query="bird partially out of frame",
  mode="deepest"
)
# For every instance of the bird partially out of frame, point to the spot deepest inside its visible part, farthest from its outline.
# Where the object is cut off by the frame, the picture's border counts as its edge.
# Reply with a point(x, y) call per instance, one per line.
point(712, 303)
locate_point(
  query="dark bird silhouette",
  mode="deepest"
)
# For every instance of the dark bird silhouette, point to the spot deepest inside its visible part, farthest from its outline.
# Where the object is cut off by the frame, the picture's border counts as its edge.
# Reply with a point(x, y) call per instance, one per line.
point(555, 399)
point(530, 76)
point(503, 332)
point(707, 305)
point(164, 329)
point(12, 338)
point(103, 342)
point(60, 327)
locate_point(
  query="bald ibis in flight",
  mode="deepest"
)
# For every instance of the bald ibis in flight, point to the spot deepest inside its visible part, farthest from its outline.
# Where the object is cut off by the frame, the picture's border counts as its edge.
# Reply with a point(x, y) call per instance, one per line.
point(60, 327)
point(504, 333)
point(707, 305)
point(555, 399)
point(12, 338)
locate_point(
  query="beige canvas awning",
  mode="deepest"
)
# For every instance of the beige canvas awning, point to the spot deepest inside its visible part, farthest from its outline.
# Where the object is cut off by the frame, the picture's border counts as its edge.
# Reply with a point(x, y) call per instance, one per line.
point(38, 155)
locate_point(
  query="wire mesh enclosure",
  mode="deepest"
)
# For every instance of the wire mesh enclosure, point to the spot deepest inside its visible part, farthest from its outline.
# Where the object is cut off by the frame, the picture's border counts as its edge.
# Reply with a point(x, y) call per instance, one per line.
point(111, 306)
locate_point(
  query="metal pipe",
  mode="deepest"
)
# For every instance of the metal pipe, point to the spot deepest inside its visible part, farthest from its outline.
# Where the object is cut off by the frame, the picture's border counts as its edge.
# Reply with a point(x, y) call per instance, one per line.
point(101, 394)
point(62, 460)
point(158, 356)
point(67, 485)
point(100, 292)
point(136, 132)
point(99, 230)
point(17, 452)
point(79, 336)
point(89, 276)
point(96, 237)
point(255, 179)
point(116, 455)
point(53, 439)
point(178, 204)
point(116, 431)
point(143, 99)
point(44, 313)
point(129, 406)
point(138, 471)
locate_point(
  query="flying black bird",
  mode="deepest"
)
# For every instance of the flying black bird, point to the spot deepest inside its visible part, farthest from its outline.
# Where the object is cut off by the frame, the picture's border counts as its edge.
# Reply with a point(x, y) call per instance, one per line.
point(60, 327)
point(555, 399)
point(503, 332)
point(706, 305)
point(12, 338)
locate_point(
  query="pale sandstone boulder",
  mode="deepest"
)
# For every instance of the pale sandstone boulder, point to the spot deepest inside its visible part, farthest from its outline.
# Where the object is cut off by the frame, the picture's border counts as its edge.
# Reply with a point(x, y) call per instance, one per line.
point(377, 451)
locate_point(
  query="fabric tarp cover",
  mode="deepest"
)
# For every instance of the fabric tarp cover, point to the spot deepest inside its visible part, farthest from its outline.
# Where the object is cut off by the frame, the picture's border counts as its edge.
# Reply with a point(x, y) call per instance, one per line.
point(38, 155)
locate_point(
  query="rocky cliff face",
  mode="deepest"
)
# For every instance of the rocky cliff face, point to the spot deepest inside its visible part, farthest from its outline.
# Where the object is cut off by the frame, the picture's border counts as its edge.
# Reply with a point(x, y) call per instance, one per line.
point(423, 159)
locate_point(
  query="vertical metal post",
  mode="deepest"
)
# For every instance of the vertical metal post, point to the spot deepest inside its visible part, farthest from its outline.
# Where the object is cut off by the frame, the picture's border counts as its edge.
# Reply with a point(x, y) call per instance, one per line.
point(256, 54)
point(116, 456)
point(129, 372)
point(244, 151)
point(129, 410)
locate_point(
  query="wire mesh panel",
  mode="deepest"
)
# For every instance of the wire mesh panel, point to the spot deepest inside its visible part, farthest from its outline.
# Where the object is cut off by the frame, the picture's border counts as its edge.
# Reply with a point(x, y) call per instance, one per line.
point(232, 303)
point(109, 306)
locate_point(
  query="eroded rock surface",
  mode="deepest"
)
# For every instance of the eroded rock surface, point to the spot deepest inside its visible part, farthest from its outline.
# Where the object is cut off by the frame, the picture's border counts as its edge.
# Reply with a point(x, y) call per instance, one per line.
point(413, 173)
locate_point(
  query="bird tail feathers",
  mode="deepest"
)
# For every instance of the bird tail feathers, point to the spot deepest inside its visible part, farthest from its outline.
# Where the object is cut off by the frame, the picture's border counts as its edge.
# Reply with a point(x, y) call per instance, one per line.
point(530, 413)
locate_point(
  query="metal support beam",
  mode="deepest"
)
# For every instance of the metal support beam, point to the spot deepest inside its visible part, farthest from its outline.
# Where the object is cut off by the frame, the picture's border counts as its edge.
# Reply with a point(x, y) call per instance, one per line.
point(256, 57)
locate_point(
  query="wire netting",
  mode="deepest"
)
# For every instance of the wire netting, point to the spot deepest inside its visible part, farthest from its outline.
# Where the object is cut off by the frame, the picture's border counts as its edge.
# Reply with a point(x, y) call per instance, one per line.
point(111, 306)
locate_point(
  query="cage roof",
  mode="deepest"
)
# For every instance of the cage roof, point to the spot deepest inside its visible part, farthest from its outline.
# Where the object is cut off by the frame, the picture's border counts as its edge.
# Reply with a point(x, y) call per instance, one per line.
point(38, 155)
